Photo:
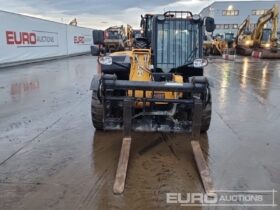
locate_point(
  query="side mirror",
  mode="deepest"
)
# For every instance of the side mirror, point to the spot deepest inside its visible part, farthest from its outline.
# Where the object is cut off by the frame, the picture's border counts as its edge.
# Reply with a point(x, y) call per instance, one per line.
point(210, 24)
point(98, 37)
point(142, 21)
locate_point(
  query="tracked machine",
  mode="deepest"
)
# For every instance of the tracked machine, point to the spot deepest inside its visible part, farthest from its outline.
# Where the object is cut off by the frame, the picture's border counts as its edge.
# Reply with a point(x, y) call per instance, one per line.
point(266, 41)
point(157, 88)
point(262, 42)
point(243, 38)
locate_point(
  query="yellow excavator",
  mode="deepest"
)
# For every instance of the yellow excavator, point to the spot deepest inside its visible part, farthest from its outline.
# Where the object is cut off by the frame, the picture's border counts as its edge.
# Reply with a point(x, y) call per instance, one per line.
point(262, 41)
point(243, 32)
point(128, 37)
point(74, 22)
point(214, 46)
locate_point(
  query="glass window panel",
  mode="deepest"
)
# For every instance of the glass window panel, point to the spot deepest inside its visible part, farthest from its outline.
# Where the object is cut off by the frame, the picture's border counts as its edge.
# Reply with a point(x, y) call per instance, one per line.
point(176, 43)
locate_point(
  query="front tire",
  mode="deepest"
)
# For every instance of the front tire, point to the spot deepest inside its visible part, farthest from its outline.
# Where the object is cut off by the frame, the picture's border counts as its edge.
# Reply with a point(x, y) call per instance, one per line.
point(140, 44)
point(97, 112)
point(206, 117)
point(207, 103)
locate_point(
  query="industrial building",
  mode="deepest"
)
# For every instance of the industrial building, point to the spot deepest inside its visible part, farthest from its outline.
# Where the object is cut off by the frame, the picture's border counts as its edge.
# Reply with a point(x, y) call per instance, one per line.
point(229, 14)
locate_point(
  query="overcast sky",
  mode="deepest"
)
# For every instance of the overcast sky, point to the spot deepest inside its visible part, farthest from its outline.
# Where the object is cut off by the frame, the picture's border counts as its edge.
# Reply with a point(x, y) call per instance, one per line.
point(99, 13)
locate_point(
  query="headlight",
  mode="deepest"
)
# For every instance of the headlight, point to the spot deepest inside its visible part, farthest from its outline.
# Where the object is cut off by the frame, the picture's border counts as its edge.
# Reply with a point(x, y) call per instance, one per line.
point(196, 17)
point(105, 60)
point(247, 42)
point(267, 45)
point(200, 62)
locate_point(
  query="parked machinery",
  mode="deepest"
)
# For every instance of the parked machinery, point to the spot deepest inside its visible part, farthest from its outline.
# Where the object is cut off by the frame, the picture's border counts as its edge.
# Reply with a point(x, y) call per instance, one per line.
point(214, 46)
point(73, 22)
point(98, 38)
point(243, 37)
point(144, 41)
point(159, 88)
point(173, 61)
point(137, 33)
point(229, 39)
point(129, 37)
point(114, 38)
point(261, 40)
point(207, 44)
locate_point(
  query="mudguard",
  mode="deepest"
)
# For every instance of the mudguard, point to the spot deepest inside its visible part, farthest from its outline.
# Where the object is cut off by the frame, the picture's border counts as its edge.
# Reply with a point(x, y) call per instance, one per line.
point(95, 82)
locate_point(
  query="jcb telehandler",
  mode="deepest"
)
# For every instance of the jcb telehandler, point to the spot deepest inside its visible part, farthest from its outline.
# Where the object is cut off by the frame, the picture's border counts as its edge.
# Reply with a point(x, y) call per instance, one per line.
point(158, 89)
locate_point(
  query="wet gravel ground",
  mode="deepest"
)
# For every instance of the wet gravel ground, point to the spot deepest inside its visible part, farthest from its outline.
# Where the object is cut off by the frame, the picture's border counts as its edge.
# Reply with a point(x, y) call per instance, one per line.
point(52, 158)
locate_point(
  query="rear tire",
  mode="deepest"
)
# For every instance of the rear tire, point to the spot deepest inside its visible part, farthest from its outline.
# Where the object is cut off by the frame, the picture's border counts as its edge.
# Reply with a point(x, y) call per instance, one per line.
point(97, 109)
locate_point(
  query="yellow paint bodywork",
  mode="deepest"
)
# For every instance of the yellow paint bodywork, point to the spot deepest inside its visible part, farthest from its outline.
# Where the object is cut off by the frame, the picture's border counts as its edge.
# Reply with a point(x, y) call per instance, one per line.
point(140, 70)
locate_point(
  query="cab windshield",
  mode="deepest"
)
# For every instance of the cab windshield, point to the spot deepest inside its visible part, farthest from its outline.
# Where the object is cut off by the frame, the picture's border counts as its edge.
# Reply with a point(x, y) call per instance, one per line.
point(266, 35)
point(229, 36)
point(113, 35)
point(177, 43)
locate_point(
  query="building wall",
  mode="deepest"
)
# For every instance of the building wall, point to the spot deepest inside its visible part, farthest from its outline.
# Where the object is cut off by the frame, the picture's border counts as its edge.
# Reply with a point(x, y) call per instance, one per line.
point(242, 9)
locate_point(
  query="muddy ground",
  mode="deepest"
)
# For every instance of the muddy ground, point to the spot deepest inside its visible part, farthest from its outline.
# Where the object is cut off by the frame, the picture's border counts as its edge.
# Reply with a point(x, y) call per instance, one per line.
point(52, 158)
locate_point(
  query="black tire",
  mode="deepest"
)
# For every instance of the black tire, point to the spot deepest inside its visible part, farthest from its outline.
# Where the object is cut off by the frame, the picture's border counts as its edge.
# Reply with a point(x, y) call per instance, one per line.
point(207, 107)
point(97, 112)
point(140, 44)
point(206, 112)
point(94, 51)
point(206, 117)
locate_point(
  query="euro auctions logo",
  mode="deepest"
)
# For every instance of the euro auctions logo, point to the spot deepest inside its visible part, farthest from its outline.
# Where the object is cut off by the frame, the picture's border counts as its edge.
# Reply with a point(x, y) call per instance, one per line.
point(83, 40)
point(79, 39)
point(14, 38)
point(32, 39)
point(225, 198)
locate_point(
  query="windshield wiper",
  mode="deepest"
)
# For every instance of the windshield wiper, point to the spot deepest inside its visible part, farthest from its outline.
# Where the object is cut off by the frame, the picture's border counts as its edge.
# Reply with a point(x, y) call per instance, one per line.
point(190, 57)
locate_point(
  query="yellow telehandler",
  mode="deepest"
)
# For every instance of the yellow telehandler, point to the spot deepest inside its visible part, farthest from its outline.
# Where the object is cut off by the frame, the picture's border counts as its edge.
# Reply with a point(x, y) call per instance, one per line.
point(157, 88)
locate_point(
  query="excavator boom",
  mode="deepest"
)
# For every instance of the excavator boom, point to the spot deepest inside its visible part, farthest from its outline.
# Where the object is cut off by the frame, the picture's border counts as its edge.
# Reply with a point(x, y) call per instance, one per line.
point(262, 41)
point(271, 14)
point(244, 26)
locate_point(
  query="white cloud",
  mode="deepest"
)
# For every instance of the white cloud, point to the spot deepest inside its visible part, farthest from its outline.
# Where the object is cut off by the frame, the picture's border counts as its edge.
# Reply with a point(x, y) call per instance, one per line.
point(99, 13)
